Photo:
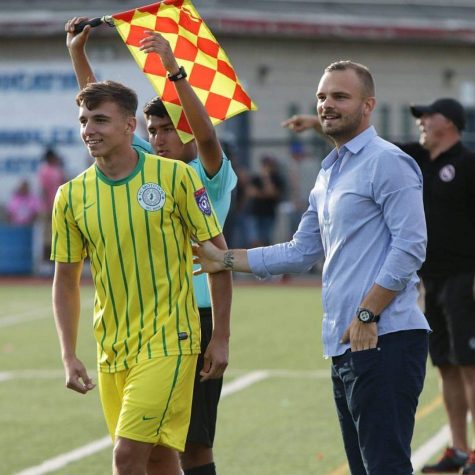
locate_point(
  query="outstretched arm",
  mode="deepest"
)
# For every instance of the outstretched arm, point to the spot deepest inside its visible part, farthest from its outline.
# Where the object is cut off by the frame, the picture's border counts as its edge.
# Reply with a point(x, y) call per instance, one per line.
point(206, 140)
point(213, 259)
point(217, 353)
point(66, 308)
point(299, 123)
point(76, 43)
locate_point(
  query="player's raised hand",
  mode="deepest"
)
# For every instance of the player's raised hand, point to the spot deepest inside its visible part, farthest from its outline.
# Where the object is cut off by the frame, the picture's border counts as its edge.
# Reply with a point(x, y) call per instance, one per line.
point(155, 43)
point(76, 40)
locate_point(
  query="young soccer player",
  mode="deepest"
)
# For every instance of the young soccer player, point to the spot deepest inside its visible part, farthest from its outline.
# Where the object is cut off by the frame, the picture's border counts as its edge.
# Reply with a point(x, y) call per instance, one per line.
point(205, 155)
point(134, 215)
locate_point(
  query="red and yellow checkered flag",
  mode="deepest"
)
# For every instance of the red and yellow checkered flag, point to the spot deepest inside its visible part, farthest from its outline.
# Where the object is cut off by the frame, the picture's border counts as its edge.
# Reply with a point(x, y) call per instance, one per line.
point(209, 71)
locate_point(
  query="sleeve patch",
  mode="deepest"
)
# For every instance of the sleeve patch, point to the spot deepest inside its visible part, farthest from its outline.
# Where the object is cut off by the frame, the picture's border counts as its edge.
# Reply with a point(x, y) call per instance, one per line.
point(202, 200)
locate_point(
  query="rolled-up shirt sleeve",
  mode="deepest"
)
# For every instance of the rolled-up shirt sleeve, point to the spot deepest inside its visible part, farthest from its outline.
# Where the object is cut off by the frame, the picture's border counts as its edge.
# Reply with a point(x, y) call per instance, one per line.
point(399, 193)
point(295, 256)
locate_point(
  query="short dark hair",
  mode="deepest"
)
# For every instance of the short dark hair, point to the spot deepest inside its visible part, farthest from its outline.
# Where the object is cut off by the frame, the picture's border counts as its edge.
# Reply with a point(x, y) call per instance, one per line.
point(156, 107)
point(361, 71)
point(95, 93)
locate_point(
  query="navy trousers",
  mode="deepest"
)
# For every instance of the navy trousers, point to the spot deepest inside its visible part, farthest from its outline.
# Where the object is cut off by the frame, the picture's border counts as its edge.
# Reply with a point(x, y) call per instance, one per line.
point(376, 393)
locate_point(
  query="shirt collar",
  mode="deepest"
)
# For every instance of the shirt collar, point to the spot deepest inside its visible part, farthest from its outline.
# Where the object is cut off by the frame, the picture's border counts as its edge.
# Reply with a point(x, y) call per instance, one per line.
point(455, 150)
point(354, 146)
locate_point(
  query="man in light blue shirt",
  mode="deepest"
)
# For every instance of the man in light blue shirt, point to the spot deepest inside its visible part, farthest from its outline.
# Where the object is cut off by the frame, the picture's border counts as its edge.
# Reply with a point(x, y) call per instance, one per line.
point(366, 217)
point(206, 156)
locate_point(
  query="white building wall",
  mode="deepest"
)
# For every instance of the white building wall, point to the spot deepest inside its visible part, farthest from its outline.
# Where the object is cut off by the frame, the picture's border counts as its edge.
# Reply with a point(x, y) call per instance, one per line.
point(404, 73)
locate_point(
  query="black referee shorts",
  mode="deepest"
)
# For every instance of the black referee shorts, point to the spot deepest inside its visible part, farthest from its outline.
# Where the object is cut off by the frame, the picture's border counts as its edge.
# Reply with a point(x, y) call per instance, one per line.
point(450, 311)
point(204, 409)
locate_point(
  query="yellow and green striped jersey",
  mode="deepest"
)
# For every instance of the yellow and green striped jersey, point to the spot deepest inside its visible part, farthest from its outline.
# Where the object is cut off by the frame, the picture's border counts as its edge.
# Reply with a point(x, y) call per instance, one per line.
point(137, 233)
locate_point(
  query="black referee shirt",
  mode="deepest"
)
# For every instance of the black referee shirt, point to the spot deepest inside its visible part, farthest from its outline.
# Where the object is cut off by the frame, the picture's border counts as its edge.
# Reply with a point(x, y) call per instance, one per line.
point(449, 203)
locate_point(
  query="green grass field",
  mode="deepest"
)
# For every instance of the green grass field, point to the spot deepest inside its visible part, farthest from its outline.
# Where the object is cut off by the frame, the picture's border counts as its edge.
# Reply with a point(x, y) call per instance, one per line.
point(282, 422)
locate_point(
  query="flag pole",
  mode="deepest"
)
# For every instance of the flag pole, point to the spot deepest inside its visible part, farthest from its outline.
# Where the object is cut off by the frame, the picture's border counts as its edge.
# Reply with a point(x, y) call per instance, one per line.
point(107, 19)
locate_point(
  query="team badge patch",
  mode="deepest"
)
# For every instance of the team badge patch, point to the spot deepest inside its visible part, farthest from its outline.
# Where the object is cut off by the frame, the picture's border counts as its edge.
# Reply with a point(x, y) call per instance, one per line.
point(447, 173)
point(151, 197)
point(202, 200)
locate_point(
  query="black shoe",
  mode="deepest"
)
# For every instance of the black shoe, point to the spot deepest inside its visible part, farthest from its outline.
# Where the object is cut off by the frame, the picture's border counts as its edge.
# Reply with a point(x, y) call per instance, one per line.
point(469, 467)
point(451, 461)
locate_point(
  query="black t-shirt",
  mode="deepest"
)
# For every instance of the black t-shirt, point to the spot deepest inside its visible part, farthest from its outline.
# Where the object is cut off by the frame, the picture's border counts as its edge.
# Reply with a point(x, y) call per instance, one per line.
point(449, 203)
point(266, 206)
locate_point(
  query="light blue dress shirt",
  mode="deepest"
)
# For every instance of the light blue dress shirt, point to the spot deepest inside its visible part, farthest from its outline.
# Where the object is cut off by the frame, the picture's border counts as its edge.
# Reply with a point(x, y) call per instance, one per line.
point(219, 189)
point(366, 217)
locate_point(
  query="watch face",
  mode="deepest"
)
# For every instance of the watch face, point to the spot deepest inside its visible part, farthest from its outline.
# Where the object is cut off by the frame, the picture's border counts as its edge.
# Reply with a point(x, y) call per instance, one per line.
point(364, 316)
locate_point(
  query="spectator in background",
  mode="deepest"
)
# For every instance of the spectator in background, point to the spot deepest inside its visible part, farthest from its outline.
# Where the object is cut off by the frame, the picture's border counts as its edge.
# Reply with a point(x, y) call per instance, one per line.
point(303, 171)
point(448, 273)
point(265, 190)
point(23, 207)
point(50, 177)
point(237, 227)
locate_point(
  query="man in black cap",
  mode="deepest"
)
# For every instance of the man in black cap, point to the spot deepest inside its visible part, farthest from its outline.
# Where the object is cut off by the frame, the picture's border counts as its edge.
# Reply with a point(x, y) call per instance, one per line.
point(448, 170)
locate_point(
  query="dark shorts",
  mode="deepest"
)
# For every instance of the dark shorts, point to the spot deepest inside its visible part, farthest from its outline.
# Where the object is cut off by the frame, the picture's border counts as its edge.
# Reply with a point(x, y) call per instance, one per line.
point(206, 395)
point(376, 393)
point(450, 311)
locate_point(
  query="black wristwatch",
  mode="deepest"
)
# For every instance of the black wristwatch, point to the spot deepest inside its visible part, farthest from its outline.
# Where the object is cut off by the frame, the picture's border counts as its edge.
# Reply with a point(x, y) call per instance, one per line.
point(181, 74)
point(367, 316)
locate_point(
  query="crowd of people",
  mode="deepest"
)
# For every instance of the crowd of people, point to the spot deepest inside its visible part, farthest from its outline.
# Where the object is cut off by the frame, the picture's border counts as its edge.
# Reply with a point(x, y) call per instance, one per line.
point(381, 215)
point(24, 205)
point(32, 203)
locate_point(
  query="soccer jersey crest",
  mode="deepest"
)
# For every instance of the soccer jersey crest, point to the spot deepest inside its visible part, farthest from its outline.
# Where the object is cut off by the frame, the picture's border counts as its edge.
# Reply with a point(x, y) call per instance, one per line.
point(447, 173)
point(202, 200)
point(151, 197)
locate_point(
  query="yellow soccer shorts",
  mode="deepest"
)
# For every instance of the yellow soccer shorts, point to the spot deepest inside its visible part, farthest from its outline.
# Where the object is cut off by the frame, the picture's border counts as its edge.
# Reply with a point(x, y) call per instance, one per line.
point(150, 402)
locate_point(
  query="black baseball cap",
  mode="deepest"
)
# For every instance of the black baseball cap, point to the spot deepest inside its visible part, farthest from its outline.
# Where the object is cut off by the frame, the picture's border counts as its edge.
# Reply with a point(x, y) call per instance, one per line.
point(449, 108)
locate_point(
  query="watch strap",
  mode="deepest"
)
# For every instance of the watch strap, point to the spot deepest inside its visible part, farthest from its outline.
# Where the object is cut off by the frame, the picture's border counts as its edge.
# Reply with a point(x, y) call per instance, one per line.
point(368, 313)
point(181, 74)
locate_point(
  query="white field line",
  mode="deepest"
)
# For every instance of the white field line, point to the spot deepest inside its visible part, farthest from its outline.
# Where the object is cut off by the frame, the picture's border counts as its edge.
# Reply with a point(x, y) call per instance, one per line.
point(429, 448)
point(243, 382)
point(432, 446)
point(25, 317)
point(34, 374)
point(32, 315)
point(62, 460)
point(5, 376)
point(286, 373)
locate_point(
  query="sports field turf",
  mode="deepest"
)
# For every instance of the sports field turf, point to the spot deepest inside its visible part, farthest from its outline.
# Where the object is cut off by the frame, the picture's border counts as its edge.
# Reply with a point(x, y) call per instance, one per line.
point(276, 416)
